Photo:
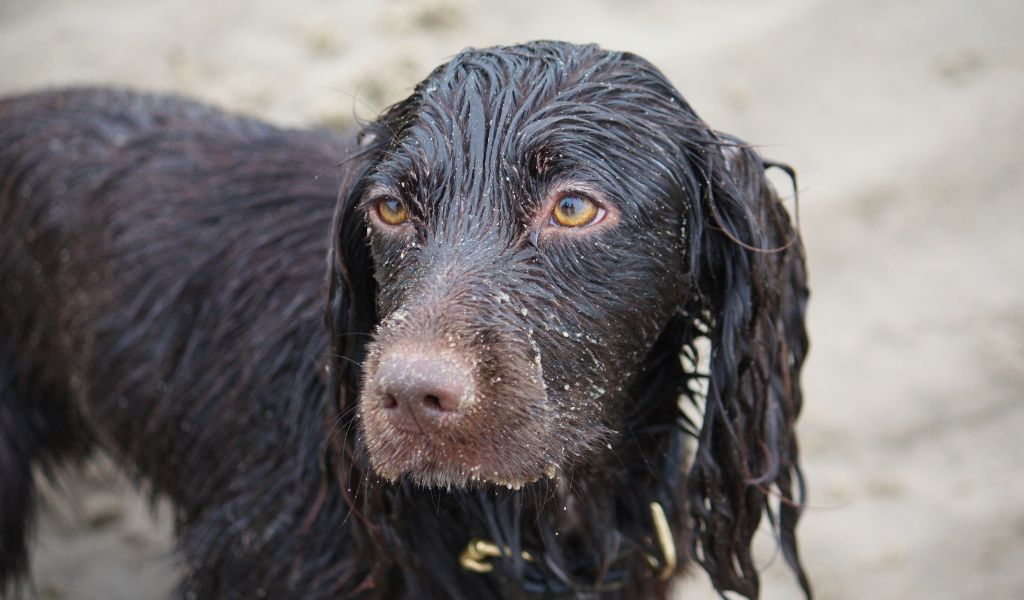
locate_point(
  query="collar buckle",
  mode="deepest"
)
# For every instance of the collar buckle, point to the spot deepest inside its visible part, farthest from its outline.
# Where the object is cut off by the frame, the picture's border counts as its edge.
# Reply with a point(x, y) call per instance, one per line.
point(477, 555)
point(667, 565)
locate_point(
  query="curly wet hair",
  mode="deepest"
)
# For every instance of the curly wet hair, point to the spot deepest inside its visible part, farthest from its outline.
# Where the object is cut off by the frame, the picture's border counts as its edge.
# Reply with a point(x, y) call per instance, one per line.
point(564, 333)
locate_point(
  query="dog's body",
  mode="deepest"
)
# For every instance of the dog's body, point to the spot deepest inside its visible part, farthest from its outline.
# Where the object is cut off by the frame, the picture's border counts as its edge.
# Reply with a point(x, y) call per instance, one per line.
point(161, 278)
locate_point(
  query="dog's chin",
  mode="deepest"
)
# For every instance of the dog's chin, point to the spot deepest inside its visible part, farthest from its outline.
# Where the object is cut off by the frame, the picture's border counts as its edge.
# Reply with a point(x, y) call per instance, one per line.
point(451, 466)
point(449, 478)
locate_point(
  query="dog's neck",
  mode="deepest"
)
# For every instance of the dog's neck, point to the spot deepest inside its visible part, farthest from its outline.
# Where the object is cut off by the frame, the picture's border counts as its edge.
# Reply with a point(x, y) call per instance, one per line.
point(589, 532)
point(586, 533)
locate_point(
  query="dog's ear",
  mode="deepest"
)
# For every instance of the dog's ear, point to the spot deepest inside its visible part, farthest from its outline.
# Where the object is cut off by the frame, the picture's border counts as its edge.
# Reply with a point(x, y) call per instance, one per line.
point(351, 307)
point(750, 301)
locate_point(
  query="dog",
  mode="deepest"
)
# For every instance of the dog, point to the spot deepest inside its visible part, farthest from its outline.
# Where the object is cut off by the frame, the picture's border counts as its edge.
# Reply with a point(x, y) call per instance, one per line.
point(496, 390)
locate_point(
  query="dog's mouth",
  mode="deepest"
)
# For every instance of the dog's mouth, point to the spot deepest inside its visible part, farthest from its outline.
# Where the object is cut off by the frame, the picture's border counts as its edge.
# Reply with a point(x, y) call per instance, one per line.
point(462, 454)
point(450, 462)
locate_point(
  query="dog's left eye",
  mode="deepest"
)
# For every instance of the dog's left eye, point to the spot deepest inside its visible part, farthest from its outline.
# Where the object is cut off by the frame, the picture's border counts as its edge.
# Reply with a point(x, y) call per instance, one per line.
point(392, 210)
point(573, 210)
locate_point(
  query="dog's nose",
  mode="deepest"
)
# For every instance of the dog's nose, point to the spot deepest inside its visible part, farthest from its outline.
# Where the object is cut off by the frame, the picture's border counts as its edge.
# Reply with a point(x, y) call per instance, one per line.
point(421, 393)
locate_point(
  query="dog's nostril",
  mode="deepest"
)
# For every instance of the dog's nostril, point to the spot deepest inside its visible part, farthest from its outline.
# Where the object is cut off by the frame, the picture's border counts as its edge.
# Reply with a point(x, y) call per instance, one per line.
point(389, 401)
point(432, 401)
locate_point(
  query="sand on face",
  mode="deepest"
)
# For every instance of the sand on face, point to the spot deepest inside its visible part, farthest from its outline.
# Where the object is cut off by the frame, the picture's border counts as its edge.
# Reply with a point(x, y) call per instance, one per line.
point(904, 120)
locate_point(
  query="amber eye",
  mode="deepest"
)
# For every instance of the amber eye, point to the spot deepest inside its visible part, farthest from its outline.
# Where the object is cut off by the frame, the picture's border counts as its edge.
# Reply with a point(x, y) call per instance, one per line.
point(575, 211)
point(392, 211)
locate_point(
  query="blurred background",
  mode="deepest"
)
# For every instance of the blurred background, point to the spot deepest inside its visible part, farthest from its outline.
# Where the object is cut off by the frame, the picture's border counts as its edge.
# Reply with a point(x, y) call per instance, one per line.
point(905, 121)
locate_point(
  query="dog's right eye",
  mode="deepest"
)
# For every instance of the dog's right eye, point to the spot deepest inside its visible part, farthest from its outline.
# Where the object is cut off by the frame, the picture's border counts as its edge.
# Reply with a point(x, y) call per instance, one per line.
point(391, 210)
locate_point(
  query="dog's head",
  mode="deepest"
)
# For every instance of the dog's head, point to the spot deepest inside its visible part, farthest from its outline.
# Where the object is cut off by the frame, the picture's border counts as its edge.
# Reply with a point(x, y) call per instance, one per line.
point(535, 237)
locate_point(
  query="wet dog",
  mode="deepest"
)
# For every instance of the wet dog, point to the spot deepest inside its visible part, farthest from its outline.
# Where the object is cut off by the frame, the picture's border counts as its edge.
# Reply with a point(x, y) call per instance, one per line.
point(524, 260)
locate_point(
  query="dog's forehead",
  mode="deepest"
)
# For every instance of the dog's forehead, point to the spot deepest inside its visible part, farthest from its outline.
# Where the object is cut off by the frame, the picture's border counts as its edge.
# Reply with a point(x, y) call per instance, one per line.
point(482, 129)
point(487, 102)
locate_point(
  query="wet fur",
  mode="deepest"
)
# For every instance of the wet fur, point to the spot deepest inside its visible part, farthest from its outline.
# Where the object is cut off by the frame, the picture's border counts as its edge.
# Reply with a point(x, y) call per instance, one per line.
point(161, 266)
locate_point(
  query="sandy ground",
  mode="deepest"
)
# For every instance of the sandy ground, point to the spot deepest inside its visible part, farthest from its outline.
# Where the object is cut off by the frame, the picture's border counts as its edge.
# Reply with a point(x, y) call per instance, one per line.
point(905, 121)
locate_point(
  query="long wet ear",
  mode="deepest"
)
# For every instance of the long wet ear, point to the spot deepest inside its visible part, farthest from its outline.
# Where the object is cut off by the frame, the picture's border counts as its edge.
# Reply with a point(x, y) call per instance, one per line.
point(751, 301)
point(352, 289)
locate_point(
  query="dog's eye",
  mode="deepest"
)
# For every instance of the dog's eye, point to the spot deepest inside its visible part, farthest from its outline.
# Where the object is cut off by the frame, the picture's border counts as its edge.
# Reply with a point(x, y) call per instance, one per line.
point(392, 210)
point(573, 210)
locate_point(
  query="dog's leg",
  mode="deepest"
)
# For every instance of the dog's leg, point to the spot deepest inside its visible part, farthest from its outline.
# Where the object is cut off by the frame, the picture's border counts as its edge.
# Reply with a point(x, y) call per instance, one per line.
point(36, 430)
point(19, 443)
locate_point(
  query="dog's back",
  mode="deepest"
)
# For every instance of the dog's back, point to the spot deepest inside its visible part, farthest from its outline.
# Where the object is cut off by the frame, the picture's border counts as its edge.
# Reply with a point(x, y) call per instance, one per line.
point(161, 265)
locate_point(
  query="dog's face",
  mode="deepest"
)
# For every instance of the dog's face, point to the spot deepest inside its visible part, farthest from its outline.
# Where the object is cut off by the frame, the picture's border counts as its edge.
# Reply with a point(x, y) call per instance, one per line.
point(524, 249)
point(527, 253)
